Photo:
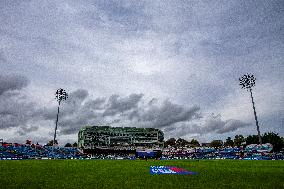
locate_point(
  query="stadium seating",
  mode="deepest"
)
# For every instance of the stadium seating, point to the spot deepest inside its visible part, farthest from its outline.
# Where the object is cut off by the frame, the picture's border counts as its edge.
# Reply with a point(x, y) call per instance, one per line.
point(38, 152)
point(10, 151)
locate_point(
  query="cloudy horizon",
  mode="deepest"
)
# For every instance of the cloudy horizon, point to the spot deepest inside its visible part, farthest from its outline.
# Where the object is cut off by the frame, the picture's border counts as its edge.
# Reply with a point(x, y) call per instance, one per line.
point(172, 65)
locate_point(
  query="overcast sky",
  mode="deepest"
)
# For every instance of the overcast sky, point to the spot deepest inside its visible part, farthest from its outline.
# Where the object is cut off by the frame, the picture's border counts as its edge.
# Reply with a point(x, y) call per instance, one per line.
point(172, 65)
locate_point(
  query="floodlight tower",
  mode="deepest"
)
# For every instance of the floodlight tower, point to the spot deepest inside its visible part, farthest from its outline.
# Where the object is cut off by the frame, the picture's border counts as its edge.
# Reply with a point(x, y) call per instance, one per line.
point(247, 82)
point(60, 95)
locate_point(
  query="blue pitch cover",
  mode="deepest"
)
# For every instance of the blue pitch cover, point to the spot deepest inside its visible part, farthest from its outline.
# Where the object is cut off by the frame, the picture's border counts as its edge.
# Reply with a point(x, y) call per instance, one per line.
point(169, 170)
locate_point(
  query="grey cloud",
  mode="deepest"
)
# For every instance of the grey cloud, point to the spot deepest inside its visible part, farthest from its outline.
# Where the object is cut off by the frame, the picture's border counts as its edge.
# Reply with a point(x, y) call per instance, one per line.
point(23, 130)
point(71, 125)
point(49, 113)
point(126, 16)
point(117, 105)
point(15, 108)
point(168, 114)
point(97, 104)
point(153, 101)
point(81, 94)
point(232, 125)
point(78, 111)
point(76, 44)
point(170, 129)
point(96, 112)
point(2, 58)
point(15, 113)
point(12, 82)
point(74, 102)
point(133, 114)
point(209, 125)
point(212, 124)
point(122, 111)
point(216, 124)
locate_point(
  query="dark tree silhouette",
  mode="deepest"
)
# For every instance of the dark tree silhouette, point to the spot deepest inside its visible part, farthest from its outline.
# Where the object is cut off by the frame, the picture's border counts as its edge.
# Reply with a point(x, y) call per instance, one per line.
point(68, 145)
point(194, 142)
point(75, 144)
point(216, 143)
point(239, 139)
point(252, 139)
point(273, 139)
point(170, 142)
point(247, 82)
point(60, 95)
point(181, 142)
point(229, 142)
point(50, 143)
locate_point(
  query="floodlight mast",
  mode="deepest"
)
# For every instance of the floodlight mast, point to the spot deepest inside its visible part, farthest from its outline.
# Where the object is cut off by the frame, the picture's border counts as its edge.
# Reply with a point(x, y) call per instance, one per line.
point(60, 95)
point(247, 82)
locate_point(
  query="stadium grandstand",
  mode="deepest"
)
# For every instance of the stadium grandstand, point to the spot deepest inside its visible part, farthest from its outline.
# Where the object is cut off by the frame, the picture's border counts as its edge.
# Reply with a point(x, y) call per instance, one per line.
point(129, 140)
point(105, 142)
point(34, 151)
point(17, 151)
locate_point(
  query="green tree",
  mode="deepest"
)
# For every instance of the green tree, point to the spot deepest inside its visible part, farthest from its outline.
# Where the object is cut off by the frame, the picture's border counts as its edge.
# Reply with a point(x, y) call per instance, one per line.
point(50, 143)
point(239, 139)
point(68, 145)
point(252, 139)
point(170, 142)
point(273, 139)
point(28, 142)
point(194, 142)
point(75, 144)
point(216, 143)
point(181, 142)
point(229, 142)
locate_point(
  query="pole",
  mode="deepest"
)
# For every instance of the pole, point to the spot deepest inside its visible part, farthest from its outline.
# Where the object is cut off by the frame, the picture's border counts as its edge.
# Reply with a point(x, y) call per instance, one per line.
point(255, 117)
point(55, 128)
point(56, 124)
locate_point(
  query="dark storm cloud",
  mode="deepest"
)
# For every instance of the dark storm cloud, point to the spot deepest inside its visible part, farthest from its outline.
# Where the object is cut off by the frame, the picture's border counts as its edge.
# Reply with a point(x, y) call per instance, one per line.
point(95, 112)
point(74, 102)
point(125, 16)
point(2, 58)
point(167, 114)
point(118, 105)
point(15, 108)
point(133, 114)
point(97, 104)
point(119, 110)
point(192, 51)
point(78, 110)
point(80, 94)
point(26, 129)
point(71, 106)
point(212, 124)
point(14, 112)
point(75, 112)
point(216, 124)
point(232, 125)
point(12, 82)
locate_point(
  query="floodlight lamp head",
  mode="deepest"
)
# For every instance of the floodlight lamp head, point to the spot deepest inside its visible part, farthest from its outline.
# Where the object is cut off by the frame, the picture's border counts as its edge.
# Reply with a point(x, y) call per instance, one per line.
point(247, 81)
point(60, 95)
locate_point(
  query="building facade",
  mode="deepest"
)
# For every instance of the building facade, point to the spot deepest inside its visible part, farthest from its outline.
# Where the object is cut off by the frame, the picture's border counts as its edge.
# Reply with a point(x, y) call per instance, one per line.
point(93, 137)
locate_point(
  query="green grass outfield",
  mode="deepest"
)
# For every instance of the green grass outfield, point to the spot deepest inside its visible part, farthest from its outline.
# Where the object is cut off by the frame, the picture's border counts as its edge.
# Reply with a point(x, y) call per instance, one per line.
point(135, 174)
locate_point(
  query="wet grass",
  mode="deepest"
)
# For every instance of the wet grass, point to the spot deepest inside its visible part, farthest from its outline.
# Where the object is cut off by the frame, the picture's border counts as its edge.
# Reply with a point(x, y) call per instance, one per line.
point(135, 174)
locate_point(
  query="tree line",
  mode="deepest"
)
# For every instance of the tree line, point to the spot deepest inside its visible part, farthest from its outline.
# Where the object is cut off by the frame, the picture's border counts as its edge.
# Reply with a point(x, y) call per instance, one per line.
point(50, 143)
point(239, 140)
